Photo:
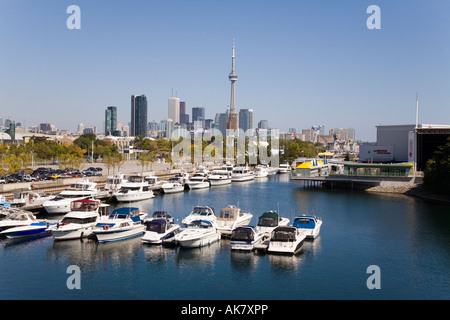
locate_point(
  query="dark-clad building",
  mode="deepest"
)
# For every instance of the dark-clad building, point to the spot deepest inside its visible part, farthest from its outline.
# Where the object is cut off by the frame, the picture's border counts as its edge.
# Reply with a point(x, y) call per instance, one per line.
point(138, 115)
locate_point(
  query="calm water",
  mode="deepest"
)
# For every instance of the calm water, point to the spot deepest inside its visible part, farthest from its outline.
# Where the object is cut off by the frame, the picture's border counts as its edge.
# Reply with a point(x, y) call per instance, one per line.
point(407, 238)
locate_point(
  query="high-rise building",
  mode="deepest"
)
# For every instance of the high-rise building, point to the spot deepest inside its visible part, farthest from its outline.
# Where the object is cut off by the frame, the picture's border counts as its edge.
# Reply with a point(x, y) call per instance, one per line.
point(198, 116)
point(138, 115)
point(232, 121)
point(221, 122)
point(263, 124)
point(110, 120)
point(245, 119)
point(174, 109)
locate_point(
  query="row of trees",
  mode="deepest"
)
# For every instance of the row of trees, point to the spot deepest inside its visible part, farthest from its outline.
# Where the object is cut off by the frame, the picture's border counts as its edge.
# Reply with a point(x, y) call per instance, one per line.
point(437, 171)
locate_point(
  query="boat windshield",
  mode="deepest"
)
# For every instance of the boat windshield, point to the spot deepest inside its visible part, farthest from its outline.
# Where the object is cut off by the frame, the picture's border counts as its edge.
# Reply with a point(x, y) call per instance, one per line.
point(242, 235)
point(199, 225)
point(154, 226)
point(284, 235)
point(203, 211)
point(267, 222)
point(228, 214)
point(78, 220)
point(84, 206)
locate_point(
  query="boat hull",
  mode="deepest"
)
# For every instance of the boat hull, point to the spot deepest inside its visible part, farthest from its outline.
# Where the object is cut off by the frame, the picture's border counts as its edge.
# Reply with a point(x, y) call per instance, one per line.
point(72, 234)
point(198, 241)
point(283, 247)
point(219, 181)
point(194, 186)
point(26, 231)
point(243, 178)
point(130, 197)
point(112, 235)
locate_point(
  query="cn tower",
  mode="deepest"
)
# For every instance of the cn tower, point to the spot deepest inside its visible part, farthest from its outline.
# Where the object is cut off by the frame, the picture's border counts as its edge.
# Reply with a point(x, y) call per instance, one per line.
point(232, 121)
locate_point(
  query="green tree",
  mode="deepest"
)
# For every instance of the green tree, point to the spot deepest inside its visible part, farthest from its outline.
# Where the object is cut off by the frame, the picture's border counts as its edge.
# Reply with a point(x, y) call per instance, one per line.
point(437, 171)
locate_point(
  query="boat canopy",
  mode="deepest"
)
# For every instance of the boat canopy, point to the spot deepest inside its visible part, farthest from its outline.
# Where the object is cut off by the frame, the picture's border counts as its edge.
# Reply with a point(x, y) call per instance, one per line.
point(203, 211)
point(230, 213)
point(269, 219)
point(305, 222)
point(284, 233)
point(161, 214)
point(84, 205)
point(123, 213)
point(200, 224)
point(157, 225)
point(243, 234)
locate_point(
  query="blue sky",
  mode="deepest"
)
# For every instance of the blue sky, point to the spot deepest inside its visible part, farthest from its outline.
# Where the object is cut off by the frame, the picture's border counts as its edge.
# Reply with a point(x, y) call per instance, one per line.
point(300, 63)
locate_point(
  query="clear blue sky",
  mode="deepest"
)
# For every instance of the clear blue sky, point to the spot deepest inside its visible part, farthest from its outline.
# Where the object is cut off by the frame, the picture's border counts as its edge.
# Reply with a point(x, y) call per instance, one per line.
point(300, 63)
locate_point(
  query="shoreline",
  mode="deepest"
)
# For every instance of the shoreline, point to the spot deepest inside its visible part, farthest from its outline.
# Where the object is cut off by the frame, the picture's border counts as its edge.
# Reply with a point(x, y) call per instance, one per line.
point(415, 190)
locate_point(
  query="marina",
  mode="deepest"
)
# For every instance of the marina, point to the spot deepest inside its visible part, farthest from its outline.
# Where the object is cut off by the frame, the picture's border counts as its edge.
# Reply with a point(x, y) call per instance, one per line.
point(406, 237)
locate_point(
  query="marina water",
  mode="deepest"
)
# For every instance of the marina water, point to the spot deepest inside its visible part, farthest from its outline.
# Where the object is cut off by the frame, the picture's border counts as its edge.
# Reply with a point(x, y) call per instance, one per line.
point(407, 238)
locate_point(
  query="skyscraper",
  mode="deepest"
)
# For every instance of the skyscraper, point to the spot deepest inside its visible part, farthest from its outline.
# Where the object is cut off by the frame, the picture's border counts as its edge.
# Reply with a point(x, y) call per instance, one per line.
point(245, 119)
point(174, 109)
point(232, 121)
point(110, 120)
point(138, 115)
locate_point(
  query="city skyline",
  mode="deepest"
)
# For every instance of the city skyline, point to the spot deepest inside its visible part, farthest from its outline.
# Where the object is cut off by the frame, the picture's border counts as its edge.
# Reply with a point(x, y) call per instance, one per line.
point(300, 63)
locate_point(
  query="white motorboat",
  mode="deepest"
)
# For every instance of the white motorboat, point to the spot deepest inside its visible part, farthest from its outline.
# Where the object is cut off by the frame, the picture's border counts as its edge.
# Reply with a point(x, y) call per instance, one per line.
point(134, 191)
point(261, 172)
point(270, 220)
point(78, 190)
point(200, 213)
point(198, 233)
point(160, 231)
point(154, 181)
point(121, 224)
point(245, 238)
point(16, 218)
point(33, 230)
point(284, 168)
point(241, 174)
point(29, 200)
point(80, 221)
point(220, 177)
point(172, 187)
point(198, 182)
point(114, 182)
point(230, 218)
point(310, 224)
point(271, 170)
point(286, 239)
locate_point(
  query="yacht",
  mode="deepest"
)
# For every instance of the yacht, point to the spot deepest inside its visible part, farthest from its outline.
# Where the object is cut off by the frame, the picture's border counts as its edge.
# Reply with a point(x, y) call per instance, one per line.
point(198, 182)
point(286, 239)
point(154, 182)
point(121, 224)
point(29, 200)
point(16, 218)
point(198, 233)
point(220, 177)
point(115, 182)
point(160, 231)
point(200, 213)
point(230, 218)
point(80, 221)
point(172, 187)
point(261, 172)
point(310, 224)
point(270, 220)
point(78, 190)
point(284, 168)
point(245, 238)
point(135, 189)
point(241, 174)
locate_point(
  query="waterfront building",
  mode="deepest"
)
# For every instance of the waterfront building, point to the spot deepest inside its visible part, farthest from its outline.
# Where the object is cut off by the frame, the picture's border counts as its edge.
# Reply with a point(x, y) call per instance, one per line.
point(110, 120)
point(138, 115)
point(174, 109)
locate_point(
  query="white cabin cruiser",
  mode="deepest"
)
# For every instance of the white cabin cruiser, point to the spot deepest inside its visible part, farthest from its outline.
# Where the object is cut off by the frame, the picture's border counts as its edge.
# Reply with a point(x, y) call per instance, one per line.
point(310, 224)
point(172, 187)
point(80, 221)
point(114, 183)
point(78, 190)
point(230, 218)
point(160, 231)
point(29, 200)
point(284, 168)
point(200, 213)
point(135, 189)
point(245, 238)
point(261, 172)
point(198, 233)
point(220, 177)
point(121, 224)
point(270, 220)
point(198, 182)
point(241, 174)
point(17, 218)
point(286, 239)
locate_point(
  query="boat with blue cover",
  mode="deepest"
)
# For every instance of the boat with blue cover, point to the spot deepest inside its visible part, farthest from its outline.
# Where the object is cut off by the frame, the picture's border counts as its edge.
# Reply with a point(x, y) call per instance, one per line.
point(310, 224)
point(121, 224)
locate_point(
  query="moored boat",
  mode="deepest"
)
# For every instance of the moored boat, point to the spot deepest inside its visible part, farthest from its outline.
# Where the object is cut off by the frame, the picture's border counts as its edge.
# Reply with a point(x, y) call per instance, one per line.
point(310, 224)
point(200, 213)
point(270, 220)
point(135, 189)
point(230, 218)
point(245, 238)
point(160, 231)
point(198, 233)
point(17, 218)
point(286, 239)
point(198, 182)
point(121, 224)
point(241, 174)
point(220, 177)
point(33, 230)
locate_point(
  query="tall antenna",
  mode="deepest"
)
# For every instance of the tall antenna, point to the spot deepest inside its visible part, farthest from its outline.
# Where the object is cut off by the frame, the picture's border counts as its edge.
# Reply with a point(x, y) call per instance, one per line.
point(417, 109)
